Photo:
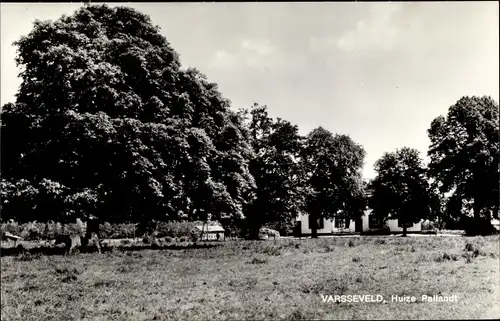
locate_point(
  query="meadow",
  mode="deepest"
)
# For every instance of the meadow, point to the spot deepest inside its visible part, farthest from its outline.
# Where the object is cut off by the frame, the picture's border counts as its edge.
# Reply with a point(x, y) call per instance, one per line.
point(282, 279)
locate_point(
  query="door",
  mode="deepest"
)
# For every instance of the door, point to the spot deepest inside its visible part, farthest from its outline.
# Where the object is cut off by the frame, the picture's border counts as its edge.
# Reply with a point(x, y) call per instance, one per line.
point(358, 225)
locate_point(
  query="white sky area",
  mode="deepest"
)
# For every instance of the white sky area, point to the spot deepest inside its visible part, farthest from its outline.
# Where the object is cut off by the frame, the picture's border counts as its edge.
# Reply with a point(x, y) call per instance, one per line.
point(379, 72)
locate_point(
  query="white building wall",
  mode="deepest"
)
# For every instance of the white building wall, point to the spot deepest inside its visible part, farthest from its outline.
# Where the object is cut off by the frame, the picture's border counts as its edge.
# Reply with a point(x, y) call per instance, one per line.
point(329, 225)
point(393, 226)
point(305, 229)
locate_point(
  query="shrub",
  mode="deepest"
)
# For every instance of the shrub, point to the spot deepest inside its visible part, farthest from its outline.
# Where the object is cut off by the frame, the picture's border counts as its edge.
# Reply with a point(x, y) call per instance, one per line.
point(329, 248)
point(258, 261)
point(148, 239)
point(478, 252)
point(105, 230)
point(180, 229)
point(351, 243)
point(428, 225)
point(265, 232)
point(479, 227)
point(52, 230)
point(32, 231)
point(271, 250)
point(356, 259)
point(468, 257)
point(469, 247)
point(381, 231)
point(282, 228)
point(121, 231)
point(125, 242)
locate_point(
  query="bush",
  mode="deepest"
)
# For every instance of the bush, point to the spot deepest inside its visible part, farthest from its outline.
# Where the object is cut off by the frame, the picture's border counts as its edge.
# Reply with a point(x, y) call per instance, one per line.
point(105, 230)
point(479, 227)
point(180, 229)
point(282, 228)
point(121, 231)
point(258, 261)
point(270, 233)
point(32, 231)
point(469, 247)
point(428, 226)
point(148, 239)
point(381, 231)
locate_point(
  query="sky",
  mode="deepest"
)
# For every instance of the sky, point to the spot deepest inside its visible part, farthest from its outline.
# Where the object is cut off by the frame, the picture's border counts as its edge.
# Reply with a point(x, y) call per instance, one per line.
point(378, 72)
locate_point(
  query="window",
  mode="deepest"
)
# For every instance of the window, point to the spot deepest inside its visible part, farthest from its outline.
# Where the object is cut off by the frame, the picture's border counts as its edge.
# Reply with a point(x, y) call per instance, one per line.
point(320, 223)
point(374, 222)
point(342, 223)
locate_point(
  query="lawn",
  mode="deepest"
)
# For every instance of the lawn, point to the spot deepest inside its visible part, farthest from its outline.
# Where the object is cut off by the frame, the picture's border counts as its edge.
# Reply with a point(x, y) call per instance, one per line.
point(281, 279)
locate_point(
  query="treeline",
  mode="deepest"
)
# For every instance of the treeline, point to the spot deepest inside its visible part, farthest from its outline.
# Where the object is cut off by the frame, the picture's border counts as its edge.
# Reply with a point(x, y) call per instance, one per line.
point(106, 123)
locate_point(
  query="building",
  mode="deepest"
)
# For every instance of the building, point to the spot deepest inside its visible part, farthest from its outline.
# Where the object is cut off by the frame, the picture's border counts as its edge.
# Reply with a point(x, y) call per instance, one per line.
point(496, 224)
point(346, 226)
point(211, 232)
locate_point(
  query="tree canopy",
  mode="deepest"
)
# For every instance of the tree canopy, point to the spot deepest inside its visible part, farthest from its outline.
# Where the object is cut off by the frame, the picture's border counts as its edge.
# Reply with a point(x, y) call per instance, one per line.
point(276, 168)
point(464, 154)
point(332, 167)
point(106, 122)
point(401, 190)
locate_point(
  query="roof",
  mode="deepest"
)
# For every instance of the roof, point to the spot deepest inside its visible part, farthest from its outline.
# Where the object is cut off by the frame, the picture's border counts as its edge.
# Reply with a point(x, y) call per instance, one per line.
point(210, 228)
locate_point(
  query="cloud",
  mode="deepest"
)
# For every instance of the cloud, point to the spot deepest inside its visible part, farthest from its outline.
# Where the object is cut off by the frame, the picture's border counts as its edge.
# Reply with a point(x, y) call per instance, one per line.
point(259, 47)
point(375, 32)
point(223, 58)
point(255, 53)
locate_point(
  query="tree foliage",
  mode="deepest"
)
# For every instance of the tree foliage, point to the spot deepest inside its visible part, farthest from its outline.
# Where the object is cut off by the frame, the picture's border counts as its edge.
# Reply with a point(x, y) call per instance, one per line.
point(275, 167)
point(332, 167)
point(464, 154)
point(401, 190)
point(106, 122)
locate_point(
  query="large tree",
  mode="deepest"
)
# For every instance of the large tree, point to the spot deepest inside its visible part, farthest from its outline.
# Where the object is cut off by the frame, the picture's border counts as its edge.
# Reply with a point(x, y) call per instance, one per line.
point(464, 154)
point(400, 189)
point(275, 167)
point(107, 123)
point(334, 187)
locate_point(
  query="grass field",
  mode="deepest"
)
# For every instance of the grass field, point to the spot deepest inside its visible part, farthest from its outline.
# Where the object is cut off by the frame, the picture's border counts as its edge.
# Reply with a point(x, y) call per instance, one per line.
point(281, 279)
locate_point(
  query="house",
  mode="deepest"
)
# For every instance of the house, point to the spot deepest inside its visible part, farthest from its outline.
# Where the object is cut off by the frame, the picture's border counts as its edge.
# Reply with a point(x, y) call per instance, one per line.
point(496, 224)
point(211, 232)
point(340, 226)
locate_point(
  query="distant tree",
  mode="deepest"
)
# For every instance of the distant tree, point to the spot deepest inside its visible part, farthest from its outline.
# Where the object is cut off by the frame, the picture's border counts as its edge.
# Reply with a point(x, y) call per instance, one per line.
point(275, 167)
point(464, 154)
point(107, 123)
point(401, 190)
point(333, 184)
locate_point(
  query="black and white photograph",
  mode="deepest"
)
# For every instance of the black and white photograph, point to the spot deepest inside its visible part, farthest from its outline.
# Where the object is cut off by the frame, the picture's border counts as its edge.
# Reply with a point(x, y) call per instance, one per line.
point(250, 160)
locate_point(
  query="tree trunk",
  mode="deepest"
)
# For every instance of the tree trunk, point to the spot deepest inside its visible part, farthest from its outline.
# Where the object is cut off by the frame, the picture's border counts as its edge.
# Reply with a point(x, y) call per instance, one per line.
point(202, 230)
point(404, 226)
point(477, 209)
point(314, 226)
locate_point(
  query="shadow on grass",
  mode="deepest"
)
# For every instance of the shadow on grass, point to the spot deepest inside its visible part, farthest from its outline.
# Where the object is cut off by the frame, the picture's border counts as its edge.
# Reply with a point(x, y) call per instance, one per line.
point(39, 251)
